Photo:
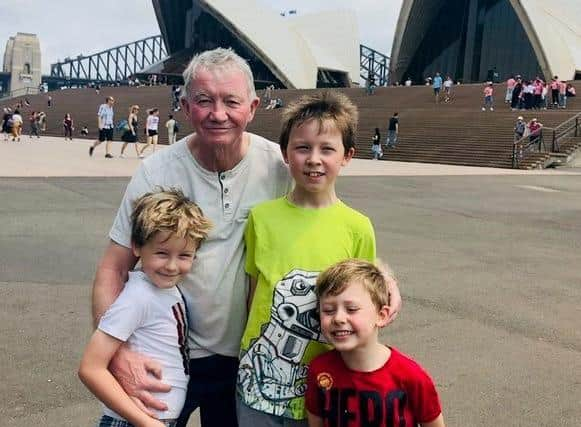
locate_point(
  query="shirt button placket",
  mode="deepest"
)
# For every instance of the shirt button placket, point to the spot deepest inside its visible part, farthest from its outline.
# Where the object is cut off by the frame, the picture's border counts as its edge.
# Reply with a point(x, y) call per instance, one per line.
point(226, 199)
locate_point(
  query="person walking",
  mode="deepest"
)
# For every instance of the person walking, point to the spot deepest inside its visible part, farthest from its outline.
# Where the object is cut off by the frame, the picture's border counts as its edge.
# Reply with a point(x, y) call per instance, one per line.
point(515, 101)
point(33, 122)
point(519, 128)
point(555, 83)
point(152, 125)
point(563, 94)
point(534, 127)
point(437, 86)
point(488, 97)
point(105, 125)
point(7, 123)
point(68, 126)
point(376, 145)
point(172, 129)
point(448, 83)
point(130, 136)
point(42, 121)
point(16, 125)
point(510, 83)
point(392, 131)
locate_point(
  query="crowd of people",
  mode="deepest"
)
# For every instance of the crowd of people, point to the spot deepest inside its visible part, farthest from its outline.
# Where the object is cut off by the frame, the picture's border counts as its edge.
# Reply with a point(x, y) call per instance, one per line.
point(537, 94)
point(13, 123)
point(129, 129)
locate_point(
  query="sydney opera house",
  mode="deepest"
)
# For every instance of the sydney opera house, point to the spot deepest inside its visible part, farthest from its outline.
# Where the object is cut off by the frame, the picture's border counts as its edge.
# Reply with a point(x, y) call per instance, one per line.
point(471, 40)
point(475, 40)
point(298, 52)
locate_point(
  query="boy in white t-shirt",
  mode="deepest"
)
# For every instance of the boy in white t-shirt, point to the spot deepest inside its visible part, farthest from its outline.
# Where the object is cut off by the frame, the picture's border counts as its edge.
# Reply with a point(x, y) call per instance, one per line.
point(150, 313)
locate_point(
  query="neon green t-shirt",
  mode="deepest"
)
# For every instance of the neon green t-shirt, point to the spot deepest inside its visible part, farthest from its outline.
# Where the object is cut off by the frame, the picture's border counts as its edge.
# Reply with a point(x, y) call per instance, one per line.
point(286, 248)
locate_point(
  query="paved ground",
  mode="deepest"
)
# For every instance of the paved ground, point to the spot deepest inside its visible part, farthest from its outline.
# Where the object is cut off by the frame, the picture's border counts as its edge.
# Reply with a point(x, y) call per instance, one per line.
point(488, 267)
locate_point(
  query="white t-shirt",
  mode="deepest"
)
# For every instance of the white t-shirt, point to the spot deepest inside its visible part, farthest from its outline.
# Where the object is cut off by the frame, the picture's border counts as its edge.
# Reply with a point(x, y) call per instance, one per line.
point(16, 119)
point(152, 122)
point(153, 322)
point(448, 83)
point(217, 287)
point(105, 113)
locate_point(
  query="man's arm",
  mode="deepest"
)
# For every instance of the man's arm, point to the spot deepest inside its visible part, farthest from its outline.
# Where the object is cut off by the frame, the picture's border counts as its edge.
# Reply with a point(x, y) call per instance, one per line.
point(132, 370)
point(395, 301)
point(111, 275)
point(252, 290)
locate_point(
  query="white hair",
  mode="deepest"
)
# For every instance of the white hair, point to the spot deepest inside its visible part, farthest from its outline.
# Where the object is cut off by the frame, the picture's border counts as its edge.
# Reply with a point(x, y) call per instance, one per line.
point(218, 59)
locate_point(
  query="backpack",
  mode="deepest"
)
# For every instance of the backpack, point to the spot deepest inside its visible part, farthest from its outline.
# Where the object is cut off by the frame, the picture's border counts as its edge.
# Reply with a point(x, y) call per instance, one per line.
point(176, 128)
point(520, 127)
point(123, 125)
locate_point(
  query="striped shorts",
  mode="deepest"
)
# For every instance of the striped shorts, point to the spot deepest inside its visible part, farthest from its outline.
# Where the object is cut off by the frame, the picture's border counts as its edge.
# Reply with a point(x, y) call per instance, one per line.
point(107, 421)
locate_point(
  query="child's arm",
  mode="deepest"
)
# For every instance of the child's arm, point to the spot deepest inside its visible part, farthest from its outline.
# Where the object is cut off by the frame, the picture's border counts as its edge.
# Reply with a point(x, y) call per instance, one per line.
point(438, 422)
point(94, 374)
point(315, 421)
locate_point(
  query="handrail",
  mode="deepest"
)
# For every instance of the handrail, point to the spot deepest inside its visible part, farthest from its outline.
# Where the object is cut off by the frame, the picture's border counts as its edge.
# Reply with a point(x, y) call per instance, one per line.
point(556, 135)
point(523, 145)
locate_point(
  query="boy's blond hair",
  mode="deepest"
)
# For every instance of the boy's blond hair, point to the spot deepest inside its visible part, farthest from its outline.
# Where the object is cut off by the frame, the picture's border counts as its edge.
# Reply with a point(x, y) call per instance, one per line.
point(322, 107)
point(167, 211)
point(336, 278)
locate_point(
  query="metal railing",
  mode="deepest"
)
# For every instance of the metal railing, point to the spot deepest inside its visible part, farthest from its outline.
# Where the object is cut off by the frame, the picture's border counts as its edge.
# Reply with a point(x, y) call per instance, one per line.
point(113, 64)
point(533, 142)
point(566, 129)
point(545, 140)
point(373, 64)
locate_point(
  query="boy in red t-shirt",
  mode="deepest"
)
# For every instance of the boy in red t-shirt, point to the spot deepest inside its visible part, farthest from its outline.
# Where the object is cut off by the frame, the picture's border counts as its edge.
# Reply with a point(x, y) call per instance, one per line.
point(363, 382)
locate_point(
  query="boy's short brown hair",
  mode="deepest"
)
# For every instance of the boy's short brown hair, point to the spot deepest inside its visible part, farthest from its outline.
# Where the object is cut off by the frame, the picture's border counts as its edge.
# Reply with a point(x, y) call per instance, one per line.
point(167, 211)
point(323, 106)
point(336, 278)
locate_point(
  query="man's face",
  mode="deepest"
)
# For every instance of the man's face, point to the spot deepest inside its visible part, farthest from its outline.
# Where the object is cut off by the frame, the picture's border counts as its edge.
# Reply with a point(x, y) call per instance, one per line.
point(110, 101)
point(219, 106)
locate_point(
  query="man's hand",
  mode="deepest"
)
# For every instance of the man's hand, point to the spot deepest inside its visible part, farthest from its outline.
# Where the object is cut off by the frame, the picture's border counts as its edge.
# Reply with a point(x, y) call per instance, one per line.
point(139, 376)
point(395, 301)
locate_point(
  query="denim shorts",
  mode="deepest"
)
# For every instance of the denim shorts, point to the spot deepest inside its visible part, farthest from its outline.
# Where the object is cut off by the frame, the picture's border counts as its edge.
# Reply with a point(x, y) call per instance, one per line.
point(107, 421)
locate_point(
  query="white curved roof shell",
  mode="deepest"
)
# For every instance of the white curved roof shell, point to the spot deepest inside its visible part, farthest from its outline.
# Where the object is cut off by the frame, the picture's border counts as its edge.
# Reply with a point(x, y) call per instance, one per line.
point(552, 26)
point(293, 48)
point(554, 29)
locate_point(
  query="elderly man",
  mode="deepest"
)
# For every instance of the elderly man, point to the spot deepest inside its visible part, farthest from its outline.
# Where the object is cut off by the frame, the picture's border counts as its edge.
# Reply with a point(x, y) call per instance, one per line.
point(226, 171)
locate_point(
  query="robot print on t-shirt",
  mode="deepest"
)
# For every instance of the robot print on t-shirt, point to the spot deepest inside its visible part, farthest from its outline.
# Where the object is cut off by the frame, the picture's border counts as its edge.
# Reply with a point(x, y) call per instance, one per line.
point(271, 374)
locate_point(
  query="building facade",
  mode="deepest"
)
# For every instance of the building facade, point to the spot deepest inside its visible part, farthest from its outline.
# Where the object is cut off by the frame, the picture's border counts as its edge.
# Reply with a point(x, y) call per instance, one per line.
point(479, 40)
point(298, 52)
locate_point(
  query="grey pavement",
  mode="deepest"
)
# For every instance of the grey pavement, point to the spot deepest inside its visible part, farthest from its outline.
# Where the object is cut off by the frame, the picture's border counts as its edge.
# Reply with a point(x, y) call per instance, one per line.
point(488, 265)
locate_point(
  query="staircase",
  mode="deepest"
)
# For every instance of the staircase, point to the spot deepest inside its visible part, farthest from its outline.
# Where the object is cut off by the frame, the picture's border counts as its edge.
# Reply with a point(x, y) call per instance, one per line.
point(456, 133)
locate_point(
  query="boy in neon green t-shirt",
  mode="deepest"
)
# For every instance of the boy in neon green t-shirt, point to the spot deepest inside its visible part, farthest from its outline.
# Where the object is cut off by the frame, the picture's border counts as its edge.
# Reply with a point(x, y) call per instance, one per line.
point(289, 241)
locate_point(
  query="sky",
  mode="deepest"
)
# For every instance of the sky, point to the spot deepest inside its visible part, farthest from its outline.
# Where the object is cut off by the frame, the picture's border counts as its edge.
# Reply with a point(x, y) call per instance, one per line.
point(77, 27)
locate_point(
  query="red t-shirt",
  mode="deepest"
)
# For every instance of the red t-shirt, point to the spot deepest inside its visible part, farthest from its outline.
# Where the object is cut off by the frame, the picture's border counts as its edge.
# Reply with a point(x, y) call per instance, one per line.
point(400, 393)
